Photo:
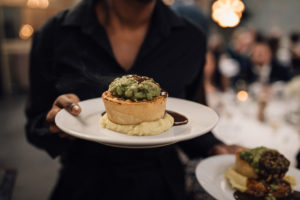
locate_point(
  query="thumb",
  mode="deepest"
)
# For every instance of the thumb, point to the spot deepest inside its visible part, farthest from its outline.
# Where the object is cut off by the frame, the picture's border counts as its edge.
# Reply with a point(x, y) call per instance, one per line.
point(69, 104)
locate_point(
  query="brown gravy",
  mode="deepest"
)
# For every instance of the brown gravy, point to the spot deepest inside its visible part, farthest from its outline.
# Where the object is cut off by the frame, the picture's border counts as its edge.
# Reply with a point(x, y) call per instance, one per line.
point(243, 196)
point(179, 119)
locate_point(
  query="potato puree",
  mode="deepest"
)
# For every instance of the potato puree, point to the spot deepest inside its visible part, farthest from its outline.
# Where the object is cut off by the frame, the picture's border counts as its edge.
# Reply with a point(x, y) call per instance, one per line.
point(142, 129)
point(236, 180)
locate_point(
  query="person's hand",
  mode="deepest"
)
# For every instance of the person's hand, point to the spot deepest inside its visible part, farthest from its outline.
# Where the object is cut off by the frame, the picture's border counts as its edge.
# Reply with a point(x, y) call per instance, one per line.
point(70, 103)
point(224, 149)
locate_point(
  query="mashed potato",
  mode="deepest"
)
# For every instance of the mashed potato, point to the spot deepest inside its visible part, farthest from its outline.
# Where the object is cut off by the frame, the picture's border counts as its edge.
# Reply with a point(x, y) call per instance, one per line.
point(236, 180)
point(142, 129)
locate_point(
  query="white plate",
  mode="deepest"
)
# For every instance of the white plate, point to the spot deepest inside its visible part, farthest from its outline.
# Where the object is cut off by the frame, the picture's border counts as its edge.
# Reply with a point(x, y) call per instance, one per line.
point(210, 174)
point(86, 126)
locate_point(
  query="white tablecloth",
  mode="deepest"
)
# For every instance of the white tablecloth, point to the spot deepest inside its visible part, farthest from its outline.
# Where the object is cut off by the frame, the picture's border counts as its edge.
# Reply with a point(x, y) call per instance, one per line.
point(239, 124)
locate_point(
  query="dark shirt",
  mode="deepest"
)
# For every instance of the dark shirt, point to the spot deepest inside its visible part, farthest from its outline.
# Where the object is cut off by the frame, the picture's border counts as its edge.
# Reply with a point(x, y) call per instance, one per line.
point(71, 53)
point(277, 73)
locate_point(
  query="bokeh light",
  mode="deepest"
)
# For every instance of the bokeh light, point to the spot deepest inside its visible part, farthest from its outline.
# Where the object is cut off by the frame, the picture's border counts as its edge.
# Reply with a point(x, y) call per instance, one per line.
point(26, 31)
point(43, 4)
point(227, 13)
point(242, 95)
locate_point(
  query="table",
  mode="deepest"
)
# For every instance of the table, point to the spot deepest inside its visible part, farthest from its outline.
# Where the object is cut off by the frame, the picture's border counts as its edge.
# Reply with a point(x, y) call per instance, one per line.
point(239, 123)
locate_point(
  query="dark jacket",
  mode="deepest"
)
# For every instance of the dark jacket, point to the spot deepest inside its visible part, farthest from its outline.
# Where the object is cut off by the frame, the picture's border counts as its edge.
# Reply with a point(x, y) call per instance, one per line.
point(278, 73)
point(72, 54)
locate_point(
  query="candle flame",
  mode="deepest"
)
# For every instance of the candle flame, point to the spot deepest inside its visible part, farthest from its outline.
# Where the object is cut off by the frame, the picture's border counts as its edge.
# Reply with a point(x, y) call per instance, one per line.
point(242, 95)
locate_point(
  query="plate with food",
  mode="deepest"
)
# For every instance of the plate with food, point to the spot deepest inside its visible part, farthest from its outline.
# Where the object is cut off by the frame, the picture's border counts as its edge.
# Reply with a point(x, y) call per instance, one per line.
point(136, 113)
point(252, 174)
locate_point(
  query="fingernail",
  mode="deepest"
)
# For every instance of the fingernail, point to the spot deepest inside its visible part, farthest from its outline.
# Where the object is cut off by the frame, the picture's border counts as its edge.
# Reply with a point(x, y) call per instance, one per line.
point(75, 108)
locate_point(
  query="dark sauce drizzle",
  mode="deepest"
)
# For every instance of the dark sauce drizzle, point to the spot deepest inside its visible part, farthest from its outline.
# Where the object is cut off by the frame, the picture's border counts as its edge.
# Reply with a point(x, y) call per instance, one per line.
point(243, 196)
point(140, 79)
point(179, 119)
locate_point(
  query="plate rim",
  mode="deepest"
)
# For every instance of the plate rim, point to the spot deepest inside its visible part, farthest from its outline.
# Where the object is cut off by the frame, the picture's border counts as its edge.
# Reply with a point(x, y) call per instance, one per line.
point(154, 141)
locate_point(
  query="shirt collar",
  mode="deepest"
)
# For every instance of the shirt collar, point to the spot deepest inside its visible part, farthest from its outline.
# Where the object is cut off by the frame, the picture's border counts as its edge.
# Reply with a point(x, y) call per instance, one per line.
point(84, 16)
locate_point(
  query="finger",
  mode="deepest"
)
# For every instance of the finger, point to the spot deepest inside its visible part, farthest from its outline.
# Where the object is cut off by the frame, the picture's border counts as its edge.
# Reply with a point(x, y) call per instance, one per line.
point(221, 150)
point(76, 109)
point(236, 148)
point(231, 150)
point(54, 129)
point(52, 113)
point(70, 104)
point(74, 97)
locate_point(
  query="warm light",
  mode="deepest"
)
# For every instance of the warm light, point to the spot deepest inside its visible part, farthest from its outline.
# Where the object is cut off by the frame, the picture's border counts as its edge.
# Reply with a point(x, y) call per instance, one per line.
point(33, 3)
point(169, 2)
point(229, 19)
point(44, 4)
point(242, 95)
point(238, 6)
point(227, 13)
point(26, 32)
point(38, 4)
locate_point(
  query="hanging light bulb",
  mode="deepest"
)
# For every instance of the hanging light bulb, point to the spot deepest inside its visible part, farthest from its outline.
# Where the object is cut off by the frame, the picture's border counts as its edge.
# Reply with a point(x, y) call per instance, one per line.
point(32, 3)
point(238, 6)
point(227, 13)
point(43, 4)
point(229, 19)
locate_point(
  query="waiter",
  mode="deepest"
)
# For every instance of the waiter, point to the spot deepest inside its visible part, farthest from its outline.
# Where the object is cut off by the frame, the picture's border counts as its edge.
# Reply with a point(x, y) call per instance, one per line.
point(75, 56)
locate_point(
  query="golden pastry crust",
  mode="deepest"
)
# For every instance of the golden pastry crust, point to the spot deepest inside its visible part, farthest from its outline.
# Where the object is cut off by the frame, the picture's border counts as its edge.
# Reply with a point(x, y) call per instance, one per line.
point(244, 167)
point(127, 112)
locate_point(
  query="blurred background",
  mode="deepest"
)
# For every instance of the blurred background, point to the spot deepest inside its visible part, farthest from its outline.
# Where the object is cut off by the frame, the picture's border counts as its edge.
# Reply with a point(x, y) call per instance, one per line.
point(243, 36)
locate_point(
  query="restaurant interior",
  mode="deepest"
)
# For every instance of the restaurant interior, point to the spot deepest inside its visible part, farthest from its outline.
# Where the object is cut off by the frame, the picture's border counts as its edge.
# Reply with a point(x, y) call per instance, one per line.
point(245, 39)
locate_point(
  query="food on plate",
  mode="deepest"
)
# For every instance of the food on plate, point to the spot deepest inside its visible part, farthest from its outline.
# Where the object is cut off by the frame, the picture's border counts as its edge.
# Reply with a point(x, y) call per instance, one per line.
point(136, 105)
point(260, 173)
point(144, 128)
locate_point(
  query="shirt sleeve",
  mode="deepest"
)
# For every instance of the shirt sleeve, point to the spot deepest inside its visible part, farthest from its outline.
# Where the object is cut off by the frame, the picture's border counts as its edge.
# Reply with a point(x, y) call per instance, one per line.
point(42, 94)
point(200, 146)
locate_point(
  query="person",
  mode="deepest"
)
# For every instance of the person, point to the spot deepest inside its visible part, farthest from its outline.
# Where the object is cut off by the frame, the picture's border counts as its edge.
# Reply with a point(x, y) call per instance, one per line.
point(295, 50)
point(75, 56)
point(214, 80)
point(264, 67)
point(240, 45)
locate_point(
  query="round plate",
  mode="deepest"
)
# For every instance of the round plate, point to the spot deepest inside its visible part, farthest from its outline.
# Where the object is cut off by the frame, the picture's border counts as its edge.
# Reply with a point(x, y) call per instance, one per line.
point(87, 126)
point(210, 174)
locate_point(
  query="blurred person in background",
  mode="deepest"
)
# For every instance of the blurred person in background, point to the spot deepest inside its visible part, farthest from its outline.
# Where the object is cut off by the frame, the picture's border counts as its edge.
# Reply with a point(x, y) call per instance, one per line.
point(213, 79)
point(240, 46)
point(215, 47)
point(75, 56)
point(242, 40)
point(264, 69)
point(237, 57)
point(295, 49)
